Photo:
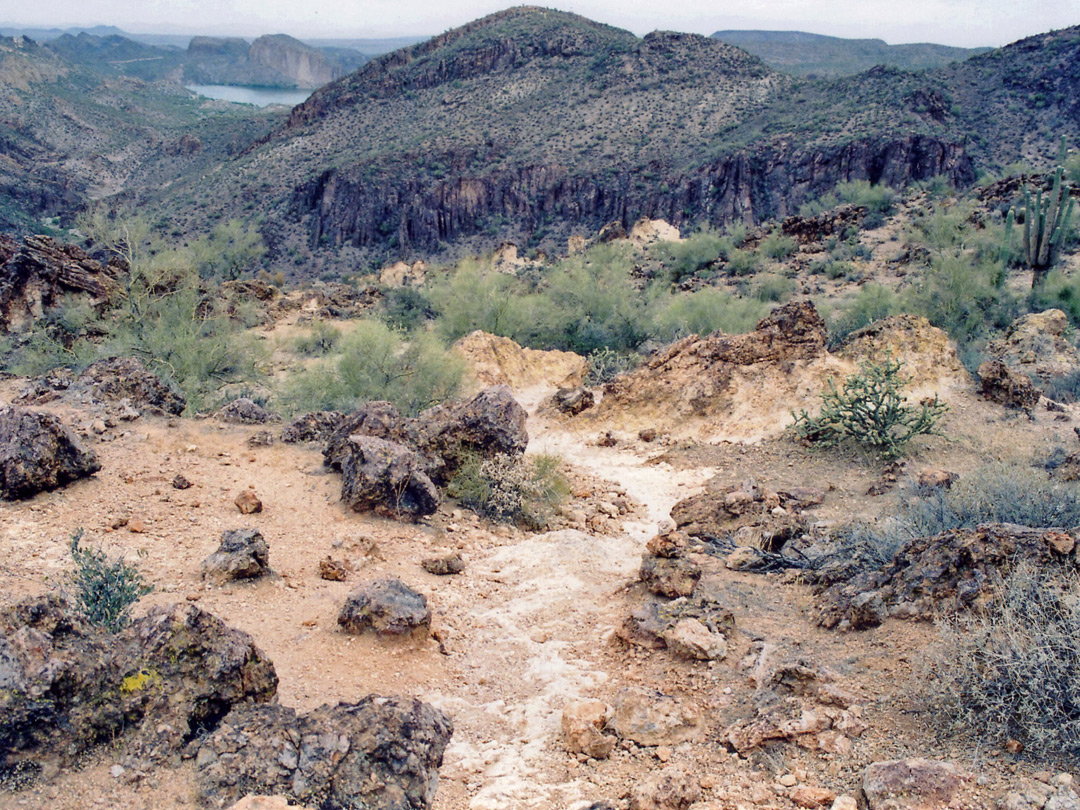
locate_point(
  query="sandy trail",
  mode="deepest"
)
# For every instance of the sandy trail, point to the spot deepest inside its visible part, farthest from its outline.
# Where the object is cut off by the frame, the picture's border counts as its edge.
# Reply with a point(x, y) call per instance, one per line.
point(538, 637)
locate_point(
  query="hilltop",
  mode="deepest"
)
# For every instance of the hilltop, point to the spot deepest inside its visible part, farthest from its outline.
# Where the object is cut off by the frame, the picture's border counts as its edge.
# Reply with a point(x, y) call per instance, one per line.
point(815, 55)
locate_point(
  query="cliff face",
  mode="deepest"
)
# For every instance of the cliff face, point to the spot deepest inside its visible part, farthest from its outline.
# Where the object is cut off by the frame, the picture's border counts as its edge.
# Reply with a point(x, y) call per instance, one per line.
point(305, 66)
point(349, 207)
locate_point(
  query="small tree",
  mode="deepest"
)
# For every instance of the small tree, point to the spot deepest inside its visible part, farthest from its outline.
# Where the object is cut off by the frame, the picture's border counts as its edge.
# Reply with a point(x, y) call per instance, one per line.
point(870, 410)
point(105, 589)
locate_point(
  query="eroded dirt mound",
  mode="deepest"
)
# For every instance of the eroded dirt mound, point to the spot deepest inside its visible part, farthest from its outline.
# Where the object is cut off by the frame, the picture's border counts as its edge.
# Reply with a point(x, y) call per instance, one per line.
point(929, 360)
point(730, 386)
point(497, 360)
point(745, 387)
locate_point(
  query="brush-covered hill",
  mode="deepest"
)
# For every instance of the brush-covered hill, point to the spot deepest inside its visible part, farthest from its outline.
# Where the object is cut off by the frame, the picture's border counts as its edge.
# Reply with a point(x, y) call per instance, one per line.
point(815, 55)
point(72, 133)
point(533, 124)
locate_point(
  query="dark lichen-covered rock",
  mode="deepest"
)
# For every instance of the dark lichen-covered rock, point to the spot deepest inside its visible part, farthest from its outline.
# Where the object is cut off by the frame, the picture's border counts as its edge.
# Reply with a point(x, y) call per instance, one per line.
point(316, 426)
point(379, 420)
point(243, 554)
point(117, 378)
point(66, 686)
point(385, 477)
point(669, 576)
point(246, 411)
point(382, 753)
point(387, 607)
point(38, 453)
point(573, 401)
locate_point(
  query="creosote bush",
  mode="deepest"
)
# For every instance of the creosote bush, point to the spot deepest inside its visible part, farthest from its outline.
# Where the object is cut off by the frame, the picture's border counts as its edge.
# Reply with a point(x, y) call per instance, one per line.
point(870, 410)
point(104, 589)
point(1009, 670)
point(511, 489)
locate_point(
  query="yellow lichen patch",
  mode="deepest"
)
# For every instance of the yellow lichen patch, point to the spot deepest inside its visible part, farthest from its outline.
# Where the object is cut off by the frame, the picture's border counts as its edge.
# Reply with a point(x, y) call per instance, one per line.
point(141, 680)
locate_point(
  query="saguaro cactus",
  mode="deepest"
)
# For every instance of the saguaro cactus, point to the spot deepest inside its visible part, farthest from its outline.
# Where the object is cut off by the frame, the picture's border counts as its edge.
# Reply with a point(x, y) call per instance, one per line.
point(1045, 225)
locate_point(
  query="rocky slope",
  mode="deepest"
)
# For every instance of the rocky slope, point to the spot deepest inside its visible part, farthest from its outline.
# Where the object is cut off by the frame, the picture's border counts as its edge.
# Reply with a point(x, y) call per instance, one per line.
point(532, 125)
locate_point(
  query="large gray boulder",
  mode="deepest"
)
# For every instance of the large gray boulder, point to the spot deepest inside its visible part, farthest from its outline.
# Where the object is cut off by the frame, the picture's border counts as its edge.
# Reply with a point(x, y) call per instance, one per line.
point(39, 453)
point(382, 753)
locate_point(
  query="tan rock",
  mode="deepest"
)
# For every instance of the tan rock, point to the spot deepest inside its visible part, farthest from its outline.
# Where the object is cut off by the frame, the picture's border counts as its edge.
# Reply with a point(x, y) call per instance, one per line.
point(1035, 345)
point(582, 724)
point(845, 803)
point(910, 784)
point(690, 638)
point(812, 797)
point(248, 502)
point(650, 718)
point(647, 231)
point(670, 789)
point(253, 802)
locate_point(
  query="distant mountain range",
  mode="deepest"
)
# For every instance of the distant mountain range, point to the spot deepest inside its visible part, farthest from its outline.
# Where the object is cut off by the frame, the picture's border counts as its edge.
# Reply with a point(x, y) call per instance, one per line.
point(529, 125)
point(815, 55)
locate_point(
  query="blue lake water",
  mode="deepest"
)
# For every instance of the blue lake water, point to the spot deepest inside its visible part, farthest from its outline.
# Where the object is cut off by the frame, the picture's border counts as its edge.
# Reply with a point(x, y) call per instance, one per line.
point(259, 96)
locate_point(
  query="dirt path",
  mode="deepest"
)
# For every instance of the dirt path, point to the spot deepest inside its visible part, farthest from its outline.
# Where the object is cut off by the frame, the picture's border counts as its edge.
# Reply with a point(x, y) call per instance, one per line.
point(537, 638)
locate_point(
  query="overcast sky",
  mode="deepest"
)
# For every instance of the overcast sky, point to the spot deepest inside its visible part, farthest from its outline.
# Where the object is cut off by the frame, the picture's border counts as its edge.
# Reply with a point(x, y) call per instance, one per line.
point(950, 22)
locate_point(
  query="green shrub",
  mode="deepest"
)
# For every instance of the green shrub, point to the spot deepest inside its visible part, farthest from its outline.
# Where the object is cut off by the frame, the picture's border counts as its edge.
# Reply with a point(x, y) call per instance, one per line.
point(872, 303)
point(475, 296)
point(607, 364)
point(707, 311)
point(772, 287)
point(777, 246)
point(320, 339)
point(407, 308)
point(1009, 670)
point(377, 363)
point(511, 489)
point(871, 411)
point(743, 262)
point(688, 257)
point(104, 589)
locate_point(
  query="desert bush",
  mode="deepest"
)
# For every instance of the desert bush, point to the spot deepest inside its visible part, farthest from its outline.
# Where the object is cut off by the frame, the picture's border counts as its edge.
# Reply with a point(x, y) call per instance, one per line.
point(1059, 291)
point(375, 362)
point(319, 340)
point(688, 257)
point(407, 308)
point(1009, 670)
point(777, 246)
point(743, 262)
point(511, 489)
point(1065, 388)
point(870, 410)
point(475, 296)
point(706, 311)
point(607, 364)
point(772, 287)
point(872, 303)
point(104, 589)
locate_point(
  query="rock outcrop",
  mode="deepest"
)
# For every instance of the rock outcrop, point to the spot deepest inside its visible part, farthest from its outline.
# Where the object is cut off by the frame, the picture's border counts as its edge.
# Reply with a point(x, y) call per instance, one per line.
point(1035, 346)
point(948, 572)
point(1002, 384)
point(39, 453)
point(387, 478)
point(40, 274)
point(489, 424)
point(382, 753)
point(115, 379)
point(167, 678)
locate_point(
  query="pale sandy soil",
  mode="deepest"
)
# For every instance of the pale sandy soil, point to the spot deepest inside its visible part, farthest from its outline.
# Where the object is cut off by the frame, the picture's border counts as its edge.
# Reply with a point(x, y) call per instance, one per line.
point(528, 626)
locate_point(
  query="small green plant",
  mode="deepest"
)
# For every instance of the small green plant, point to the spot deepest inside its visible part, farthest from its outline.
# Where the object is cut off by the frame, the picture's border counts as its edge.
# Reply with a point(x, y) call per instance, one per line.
point(321, 340)
point(870, 410)
point(511, 489)
point(105, 589)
